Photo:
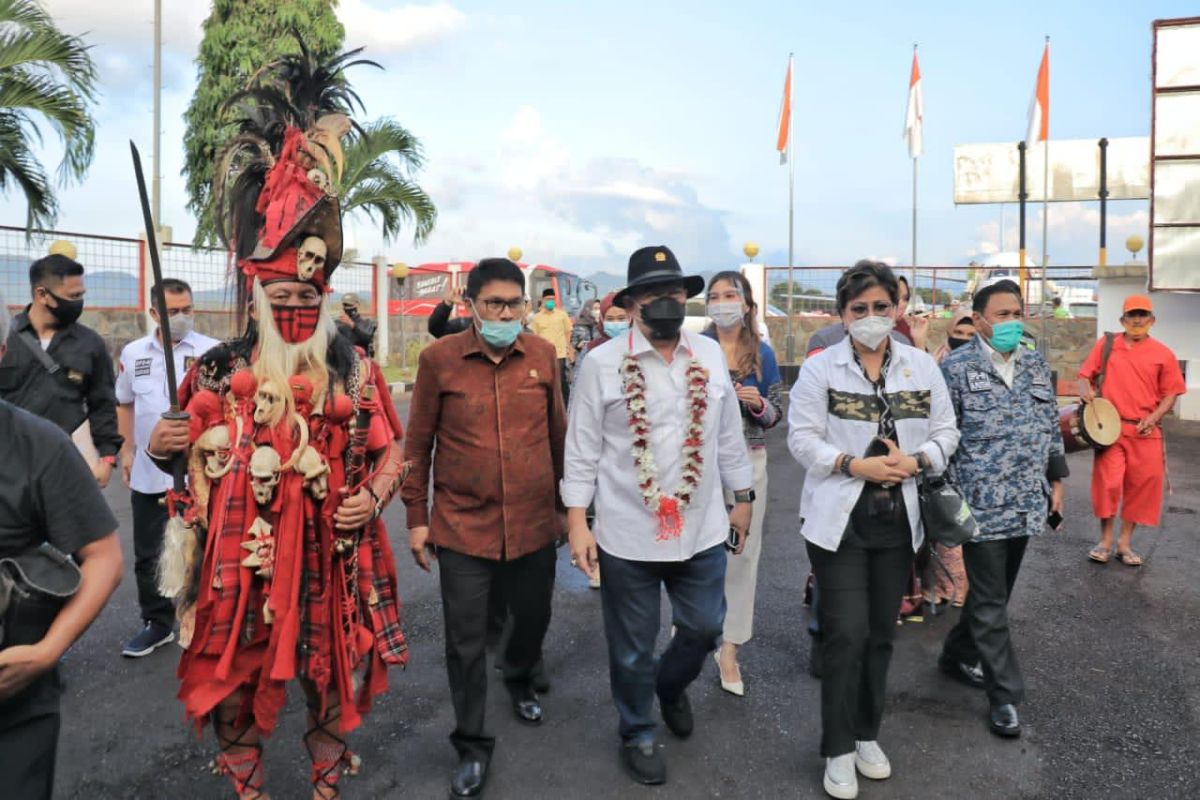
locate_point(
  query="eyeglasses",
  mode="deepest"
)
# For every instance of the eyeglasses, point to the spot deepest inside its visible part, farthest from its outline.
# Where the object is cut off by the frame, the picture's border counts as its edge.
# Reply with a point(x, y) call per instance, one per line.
point(497, 306)
point(880, 308)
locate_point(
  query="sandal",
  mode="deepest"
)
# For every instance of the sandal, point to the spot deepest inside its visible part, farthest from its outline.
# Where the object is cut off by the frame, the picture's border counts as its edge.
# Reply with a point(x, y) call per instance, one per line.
point(1099, 554)
point(1129, 558)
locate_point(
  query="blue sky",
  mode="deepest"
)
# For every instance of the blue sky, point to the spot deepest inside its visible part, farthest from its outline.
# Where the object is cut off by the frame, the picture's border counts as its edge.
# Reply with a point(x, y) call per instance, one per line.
point(581, 131)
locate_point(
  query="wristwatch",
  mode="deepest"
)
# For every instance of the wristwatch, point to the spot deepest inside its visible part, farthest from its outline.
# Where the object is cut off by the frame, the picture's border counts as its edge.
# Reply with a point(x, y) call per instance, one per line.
point(745, 496)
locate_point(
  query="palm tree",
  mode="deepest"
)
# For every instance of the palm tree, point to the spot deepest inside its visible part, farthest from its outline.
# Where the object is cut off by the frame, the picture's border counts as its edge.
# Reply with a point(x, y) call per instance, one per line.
point(46, 74)
point(377, 180)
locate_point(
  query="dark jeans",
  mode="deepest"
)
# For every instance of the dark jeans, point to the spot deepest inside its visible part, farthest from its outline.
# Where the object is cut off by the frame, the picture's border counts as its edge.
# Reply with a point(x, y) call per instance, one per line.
point(27, 754)
point(982, 631)
point(564, 378)
point(861, 586)
point(466, 585)
point(149, 523)
point(631, 595)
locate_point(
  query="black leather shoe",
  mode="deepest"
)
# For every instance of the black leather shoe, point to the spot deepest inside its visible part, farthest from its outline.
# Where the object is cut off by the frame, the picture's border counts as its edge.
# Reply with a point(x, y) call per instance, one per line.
point(1004, 722)
point(525, 704)
point(469, 777)
point(644, 762)
point(678, 716)
point(966, 674)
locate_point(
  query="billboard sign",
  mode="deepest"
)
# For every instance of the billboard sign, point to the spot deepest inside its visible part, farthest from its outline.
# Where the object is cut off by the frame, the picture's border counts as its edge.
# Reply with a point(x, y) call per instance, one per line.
point(990, 173)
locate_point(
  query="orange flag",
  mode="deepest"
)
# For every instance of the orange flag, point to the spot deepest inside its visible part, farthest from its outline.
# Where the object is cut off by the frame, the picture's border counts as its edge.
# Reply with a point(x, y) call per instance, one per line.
point(783, 141)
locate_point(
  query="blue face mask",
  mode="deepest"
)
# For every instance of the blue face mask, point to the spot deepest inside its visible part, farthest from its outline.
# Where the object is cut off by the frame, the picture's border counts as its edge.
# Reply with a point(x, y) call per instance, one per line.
point(1007, 335)
point(615, 329)
point(498, 333)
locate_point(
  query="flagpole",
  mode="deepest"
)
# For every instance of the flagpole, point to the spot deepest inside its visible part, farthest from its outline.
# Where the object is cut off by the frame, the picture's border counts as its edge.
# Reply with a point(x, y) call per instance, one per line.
point(1045, 203)
point(790, 344)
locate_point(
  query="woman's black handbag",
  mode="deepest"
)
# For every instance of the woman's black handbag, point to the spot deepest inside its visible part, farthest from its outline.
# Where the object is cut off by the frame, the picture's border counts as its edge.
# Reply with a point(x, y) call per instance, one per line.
point(34, 586)
point(944, 511)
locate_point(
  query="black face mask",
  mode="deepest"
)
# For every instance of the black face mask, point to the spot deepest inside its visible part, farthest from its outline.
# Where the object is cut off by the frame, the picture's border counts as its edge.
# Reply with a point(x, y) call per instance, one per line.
point(955, 342)
point(664, 317)
point(65, 312)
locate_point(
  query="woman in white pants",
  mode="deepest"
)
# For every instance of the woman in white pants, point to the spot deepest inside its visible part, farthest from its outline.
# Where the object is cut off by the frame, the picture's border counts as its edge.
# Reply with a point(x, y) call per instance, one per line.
point(755, 375)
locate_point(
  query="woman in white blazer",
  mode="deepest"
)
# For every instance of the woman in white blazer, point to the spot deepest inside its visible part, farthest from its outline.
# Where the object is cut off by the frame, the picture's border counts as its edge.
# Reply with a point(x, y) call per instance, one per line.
point(866, 417)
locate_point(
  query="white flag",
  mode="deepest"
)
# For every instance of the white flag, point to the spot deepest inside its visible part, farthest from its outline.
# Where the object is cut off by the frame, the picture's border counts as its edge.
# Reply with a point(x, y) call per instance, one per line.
point(915, 114)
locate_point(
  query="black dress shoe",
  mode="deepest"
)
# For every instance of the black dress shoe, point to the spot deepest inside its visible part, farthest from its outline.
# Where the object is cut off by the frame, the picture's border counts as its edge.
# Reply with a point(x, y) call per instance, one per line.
point(469, 777)
point(678, 716)
point(1004, 722)
point(525, 704)
point(644, 762)
point(966, 674)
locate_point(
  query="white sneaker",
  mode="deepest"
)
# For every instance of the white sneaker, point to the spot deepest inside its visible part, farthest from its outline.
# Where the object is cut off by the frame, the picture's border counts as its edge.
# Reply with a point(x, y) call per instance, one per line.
point(840, 779)
point(871, 761)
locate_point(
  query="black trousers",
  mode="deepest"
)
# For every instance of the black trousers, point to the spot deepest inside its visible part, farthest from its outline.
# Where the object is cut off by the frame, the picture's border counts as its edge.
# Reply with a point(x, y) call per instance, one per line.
point(564, 368)
point(861, 586)
point(27, 755)
point(149, 523)
point(528, 584)
point(982, 631)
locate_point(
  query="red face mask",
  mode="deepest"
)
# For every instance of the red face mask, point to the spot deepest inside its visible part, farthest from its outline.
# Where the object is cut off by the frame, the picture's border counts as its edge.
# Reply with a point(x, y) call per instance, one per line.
point(296, 323)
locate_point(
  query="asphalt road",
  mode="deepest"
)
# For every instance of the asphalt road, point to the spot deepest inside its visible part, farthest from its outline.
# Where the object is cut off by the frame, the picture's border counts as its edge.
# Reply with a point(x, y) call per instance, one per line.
point(1110, 656)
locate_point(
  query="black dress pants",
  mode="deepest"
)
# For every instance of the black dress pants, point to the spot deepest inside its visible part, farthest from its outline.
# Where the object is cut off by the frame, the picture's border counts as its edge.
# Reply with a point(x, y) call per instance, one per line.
point(981, 634)
point(861, 587)
point(29, 741)
point(149, 525)
point(528, 584)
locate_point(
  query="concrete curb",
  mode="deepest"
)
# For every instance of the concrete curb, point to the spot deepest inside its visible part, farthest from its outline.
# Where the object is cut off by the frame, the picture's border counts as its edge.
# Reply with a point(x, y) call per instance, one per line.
point(400, 388)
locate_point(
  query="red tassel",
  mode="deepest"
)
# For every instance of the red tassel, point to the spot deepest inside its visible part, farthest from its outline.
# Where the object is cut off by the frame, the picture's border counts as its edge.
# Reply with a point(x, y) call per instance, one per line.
point(670, 522)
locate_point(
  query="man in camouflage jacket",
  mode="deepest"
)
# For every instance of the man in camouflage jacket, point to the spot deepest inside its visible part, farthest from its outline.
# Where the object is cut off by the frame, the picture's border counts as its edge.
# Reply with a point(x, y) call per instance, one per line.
point(1009, 464)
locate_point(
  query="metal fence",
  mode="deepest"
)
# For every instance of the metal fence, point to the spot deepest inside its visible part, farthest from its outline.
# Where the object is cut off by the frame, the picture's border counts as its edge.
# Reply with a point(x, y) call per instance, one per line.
point(118, 271)
point(939, 287)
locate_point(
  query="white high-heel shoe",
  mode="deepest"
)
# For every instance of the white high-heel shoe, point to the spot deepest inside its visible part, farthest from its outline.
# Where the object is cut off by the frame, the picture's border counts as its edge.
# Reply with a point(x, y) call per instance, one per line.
point(737, 688)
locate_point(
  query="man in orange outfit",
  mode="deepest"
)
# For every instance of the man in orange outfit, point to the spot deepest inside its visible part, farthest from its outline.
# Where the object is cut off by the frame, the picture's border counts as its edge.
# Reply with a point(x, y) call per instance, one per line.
point(1142, 379)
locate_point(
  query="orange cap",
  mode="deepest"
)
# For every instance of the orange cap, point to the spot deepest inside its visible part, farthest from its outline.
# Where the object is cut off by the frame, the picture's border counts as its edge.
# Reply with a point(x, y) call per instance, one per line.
point(1137, 302)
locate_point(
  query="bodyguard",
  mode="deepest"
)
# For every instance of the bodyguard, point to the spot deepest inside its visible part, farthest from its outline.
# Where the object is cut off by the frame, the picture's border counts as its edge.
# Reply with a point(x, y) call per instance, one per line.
point(1010, 465)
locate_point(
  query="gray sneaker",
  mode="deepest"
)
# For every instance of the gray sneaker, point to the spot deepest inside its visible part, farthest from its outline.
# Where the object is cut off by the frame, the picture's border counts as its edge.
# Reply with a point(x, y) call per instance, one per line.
point(151, 637)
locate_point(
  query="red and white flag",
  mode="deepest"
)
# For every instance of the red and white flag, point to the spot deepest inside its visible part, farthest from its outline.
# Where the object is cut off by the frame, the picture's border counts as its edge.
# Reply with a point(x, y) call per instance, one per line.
point(1039, 107)
point(914, 116)
point(783, 139)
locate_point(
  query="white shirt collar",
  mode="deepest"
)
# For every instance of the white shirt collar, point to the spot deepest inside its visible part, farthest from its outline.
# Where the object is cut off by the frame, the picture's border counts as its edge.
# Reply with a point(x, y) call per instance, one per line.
point(643, 345)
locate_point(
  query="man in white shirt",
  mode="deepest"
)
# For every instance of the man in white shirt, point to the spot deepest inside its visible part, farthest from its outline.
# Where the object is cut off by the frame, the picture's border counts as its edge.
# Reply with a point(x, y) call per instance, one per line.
point(142, 395)
point(654, 435)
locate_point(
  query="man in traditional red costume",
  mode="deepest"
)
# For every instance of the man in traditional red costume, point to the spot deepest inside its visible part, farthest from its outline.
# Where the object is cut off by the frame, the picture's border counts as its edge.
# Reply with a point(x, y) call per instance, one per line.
point(276, 557)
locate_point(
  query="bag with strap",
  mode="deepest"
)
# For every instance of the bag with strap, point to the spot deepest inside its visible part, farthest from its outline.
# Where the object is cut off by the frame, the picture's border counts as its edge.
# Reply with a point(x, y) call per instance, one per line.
point(34, 586)
point(944, 511)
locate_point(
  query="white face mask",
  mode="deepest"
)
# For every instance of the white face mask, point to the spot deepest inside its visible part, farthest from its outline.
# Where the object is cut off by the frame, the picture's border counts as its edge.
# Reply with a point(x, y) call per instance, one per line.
point(871, 331)
point(726, 315)
point(181, 326)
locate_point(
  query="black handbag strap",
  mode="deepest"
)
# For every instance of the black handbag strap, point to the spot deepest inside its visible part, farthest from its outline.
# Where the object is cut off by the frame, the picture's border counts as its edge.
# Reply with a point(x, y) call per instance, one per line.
point(27, 338)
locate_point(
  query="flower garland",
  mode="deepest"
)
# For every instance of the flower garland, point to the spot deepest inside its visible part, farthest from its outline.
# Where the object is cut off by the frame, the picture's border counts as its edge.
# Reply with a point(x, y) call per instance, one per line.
point(668, 508)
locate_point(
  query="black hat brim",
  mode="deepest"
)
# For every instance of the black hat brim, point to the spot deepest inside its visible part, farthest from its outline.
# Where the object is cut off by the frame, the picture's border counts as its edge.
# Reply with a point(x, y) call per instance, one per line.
point(694, 284)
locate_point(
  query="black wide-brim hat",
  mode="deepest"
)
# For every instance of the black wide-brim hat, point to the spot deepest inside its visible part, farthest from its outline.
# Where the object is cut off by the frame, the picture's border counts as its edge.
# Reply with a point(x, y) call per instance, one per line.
point(652, 266)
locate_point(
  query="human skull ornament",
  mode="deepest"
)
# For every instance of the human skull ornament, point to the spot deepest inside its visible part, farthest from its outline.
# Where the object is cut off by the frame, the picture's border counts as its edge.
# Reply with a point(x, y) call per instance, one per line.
point(214, 445)
point(264, 474)
point(268, 404)
point(319, 179)
point(315, 472)
point(310, 257)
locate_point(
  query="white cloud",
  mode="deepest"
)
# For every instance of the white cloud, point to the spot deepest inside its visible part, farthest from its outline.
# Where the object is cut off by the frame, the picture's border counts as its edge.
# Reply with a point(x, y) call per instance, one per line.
point(1072, 229)
point(392, 30)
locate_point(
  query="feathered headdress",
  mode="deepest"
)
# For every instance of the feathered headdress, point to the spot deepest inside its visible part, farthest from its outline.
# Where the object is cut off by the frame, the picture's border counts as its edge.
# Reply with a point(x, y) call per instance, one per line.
point(276, 179)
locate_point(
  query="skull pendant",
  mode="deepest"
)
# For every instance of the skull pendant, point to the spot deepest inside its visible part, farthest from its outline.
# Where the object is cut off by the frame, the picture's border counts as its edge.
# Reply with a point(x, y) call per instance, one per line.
point(261, 546)
point(264, 474)
point(214, 446)
point(310, 257)
point(269, 404)
point(315, 472)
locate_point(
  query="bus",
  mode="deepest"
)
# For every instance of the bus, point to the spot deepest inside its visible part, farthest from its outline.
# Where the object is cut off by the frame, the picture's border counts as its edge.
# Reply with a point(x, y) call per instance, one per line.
point(427, 284)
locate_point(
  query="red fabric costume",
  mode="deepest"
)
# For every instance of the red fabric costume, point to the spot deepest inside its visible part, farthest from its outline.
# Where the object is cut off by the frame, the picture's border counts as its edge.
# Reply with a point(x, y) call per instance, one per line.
point(1138, 376)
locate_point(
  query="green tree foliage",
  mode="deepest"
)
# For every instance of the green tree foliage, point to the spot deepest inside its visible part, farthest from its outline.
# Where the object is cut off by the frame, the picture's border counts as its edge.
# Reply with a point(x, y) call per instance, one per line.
point(241, 37)
point(378, 180)
point(49, 76)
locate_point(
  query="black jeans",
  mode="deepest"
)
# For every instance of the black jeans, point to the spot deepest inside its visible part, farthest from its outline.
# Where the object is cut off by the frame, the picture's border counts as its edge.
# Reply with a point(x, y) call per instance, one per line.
point(27, 755)
point(861, 585)
point(564, 371)
point(149, 524)
point(982, 630)
point(631, 595)
point(466, 584)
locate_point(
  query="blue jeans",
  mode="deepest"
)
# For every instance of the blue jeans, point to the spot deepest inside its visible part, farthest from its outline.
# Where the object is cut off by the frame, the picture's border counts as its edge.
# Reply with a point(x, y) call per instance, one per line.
point(631, 595)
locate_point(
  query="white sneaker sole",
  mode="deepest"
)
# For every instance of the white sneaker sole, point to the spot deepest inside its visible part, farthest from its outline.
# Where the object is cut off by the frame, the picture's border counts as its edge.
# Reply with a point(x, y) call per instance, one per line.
point(876, 772)
point(840, 791)
point(147, 651)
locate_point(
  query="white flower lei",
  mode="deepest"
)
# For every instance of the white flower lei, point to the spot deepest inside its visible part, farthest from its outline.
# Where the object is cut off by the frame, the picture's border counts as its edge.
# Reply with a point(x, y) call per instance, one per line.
point(668, 508)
